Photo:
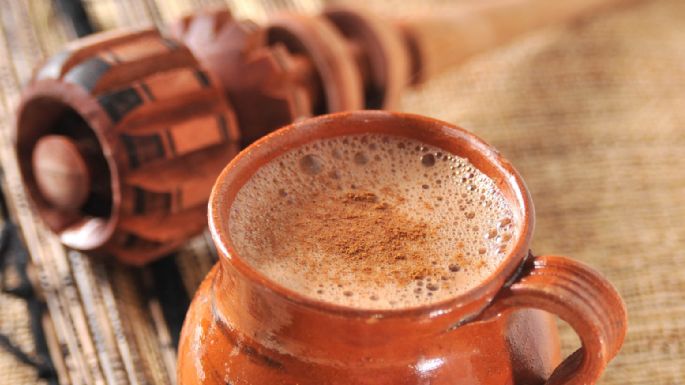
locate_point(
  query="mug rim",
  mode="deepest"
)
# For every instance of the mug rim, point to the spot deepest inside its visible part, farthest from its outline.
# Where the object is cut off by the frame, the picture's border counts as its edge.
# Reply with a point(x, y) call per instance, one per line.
point(239, 170)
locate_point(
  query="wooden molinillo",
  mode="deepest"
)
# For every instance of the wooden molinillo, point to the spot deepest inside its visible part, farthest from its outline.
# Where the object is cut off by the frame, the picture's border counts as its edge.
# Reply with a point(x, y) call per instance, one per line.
point(121, 136)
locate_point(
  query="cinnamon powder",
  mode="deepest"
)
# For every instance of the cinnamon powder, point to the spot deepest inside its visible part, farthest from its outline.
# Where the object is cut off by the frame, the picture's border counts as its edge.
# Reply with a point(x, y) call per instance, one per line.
point(368, 235)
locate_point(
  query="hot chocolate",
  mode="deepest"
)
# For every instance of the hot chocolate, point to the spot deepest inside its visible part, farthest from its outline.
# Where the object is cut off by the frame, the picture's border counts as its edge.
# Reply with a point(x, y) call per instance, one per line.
point(372, 221)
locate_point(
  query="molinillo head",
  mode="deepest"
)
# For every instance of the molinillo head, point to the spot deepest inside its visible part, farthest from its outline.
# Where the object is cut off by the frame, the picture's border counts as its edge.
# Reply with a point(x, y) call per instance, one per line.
point(119, 140)
point(121, 136)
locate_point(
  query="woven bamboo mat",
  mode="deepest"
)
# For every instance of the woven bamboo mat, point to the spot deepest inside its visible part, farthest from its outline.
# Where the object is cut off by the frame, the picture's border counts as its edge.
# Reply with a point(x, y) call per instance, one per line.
point(593, 116)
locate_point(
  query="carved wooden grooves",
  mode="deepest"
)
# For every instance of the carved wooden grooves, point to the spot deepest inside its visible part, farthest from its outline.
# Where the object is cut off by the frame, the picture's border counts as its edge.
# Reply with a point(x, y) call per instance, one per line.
point(298, 66)
point(261, 82)
point(150, 126)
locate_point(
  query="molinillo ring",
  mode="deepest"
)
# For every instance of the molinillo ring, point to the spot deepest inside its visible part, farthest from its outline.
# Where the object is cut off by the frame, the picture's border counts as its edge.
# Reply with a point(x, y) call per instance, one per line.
point(121, 136)
point(119, 142)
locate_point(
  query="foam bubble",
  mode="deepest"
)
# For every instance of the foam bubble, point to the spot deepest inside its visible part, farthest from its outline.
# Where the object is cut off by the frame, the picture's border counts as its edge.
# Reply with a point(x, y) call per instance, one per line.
point(310, 164)
point(447, 223)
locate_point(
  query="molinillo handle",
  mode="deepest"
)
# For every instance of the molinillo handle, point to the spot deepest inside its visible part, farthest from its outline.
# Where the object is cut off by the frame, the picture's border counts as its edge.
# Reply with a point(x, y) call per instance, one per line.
point(120, 136)
point(440, 42)
point(578, 295)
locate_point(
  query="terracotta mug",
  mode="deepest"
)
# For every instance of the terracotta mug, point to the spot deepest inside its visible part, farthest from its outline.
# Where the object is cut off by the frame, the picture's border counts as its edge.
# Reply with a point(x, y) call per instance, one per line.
point(243, 328)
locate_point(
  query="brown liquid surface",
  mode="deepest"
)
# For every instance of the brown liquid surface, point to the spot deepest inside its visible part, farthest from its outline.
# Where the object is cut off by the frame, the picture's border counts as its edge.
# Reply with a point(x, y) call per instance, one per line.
point(372, 221)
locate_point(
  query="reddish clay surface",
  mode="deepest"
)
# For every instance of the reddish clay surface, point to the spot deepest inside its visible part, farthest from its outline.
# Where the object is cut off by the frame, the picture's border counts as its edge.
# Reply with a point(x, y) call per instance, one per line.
point(244, 329)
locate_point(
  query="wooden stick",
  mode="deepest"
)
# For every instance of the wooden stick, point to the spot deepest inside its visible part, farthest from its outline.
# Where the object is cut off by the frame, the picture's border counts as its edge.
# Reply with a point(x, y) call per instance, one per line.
point(440, 42)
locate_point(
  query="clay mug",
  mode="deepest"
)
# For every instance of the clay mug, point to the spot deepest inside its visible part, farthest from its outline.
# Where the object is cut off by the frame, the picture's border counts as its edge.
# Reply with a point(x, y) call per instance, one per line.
point(243, 328)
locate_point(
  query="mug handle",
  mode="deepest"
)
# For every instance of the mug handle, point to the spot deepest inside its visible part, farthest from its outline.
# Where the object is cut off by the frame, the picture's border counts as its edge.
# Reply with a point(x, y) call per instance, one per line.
point(578, 295)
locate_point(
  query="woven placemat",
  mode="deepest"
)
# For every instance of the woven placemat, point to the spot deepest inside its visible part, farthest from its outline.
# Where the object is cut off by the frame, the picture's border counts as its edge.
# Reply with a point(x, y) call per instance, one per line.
point(592, 115)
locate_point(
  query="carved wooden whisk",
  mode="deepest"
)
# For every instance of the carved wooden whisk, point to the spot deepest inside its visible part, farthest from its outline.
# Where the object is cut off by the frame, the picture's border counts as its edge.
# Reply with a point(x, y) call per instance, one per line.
point(121, 136)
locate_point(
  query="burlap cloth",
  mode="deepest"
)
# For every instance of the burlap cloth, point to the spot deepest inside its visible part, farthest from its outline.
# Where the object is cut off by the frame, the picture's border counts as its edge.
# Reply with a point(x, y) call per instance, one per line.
point(14, 321)
point(592, 115)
